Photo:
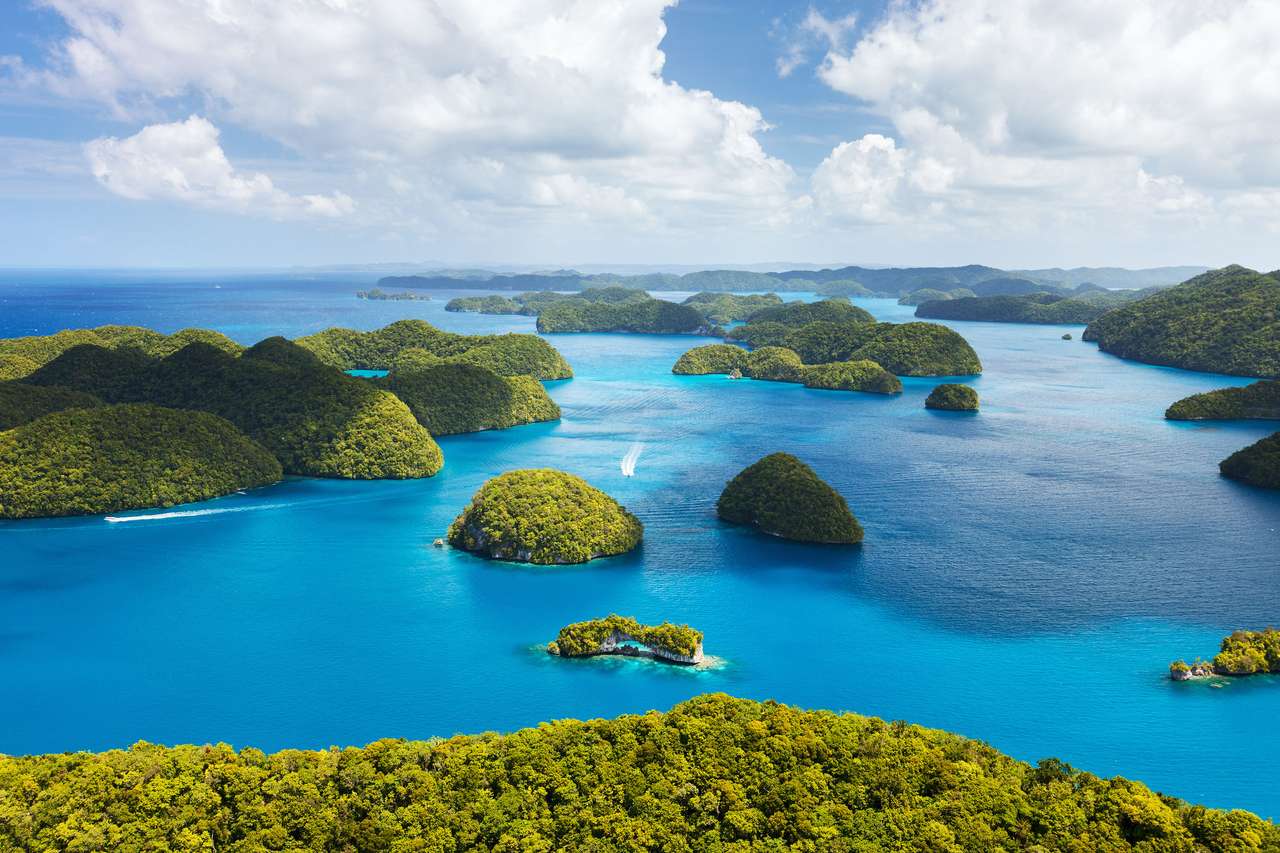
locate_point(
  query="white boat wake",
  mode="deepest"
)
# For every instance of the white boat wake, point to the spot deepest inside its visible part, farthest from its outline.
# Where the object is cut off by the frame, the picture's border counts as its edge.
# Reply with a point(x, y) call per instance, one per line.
point(187, 513)
point(629, 461)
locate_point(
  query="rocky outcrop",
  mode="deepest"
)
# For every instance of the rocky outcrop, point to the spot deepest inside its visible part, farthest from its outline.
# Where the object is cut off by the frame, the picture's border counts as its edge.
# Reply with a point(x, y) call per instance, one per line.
point(619, 643)
point(1182, 671)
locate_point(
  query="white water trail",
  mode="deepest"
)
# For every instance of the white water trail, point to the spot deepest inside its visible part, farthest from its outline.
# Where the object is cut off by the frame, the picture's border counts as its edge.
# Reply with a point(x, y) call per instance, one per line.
point(629, 461)
point(187, 513)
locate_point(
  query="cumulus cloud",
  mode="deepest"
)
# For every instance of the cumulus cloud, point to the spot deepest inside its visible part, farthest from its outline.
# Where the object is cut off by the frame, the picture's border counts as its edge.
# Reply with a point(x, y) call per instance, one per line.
point(184, 161)
point(450, 111)
point(1046, 108)
point(814, 32)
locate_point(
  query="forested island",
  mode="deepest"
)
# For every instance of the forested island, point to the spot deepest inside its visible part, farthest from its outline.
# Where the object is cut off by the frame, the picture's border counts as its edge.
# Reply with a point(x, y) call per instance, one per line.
point(289, 401)
point(379, 295)
point(108, 458)
point(650, 316)
point(1224, 321)
point(546, 517)
point(1259, 401)
point(1047, 308)
point(712, 773)
point(782, 496)
point(1258, 464)
point(1241, 653)
point(953, 398)
point(622, 635)
point(779, 364)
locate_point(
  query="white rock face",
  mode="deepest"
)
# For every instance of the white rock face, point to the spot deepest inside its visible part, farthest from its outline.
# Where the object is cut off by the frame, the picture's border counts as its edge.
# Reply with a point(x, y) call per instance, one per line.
point(618, 643)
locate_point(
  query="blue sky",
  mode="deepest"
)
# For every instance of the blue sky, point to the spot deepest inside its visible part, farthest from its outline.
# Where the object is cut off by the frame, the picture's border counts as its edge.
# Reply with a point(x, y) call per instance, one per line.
point(234, 133)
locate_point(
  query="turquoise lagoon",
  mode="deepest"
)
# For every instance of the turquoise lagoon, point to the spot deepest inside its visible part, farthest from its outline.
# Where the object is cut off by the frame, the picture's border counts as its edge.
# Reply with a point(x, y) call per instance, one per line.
point(1027, 574)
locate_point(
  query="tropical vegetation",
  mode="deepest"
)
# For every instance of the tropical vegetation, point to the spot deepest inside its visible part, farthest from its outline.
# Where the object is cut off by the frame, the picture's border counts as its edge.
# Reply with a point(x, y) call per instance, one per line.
point(1259, 401)
point(952, 397)
point(712, 358)
point(713, 773)
point(316, 420)
point(1258, 464)
point(581, 639)
point(21, 403)
point(109, 458)
point(1241, 653)
point(449, 398)
point(509, 355)
point(782, 496)
point(861, 375)
point(22, 356)
point(800, 313)
point(1045, 308)
point(544, 516)
point(653, 316)
point(1224, 321)
point(929, 294)
point(905, 349)
point(725, 308)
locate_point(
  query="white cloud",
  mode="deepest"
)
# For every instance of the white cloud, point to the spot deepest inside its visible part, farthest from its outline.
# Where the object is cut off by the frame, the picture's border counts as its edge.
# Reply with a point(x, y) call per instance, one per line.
point(1049, 110)
point(184, 161)
point(450, 112)
point(815, 32)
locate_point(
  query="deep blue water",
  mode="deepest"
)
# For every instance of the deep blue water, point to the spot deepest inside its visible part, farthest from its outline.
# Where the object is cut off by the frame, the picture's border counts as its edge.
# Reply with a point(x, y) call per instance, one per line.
point(1027, 575)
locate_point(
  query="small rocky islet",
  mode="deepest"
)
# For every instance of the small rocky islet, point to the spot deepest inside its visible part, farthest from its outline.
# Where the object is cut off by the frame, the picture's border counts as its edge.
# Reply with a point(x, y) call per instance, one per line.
point(1240, 654)
point(625, 636)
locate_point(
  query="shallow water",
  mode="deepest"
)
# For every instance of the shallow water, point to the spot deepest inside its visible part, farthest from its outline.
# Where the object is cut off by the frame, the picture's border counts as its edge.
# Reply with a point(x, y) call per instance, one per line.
point(1028, 572)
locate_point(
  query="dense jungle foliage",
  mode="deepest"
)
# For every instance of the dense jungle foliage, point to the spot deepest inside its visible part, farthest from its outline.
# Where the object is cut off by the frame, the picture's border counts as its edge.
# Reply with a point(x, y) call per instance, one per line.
point(851, 376)
point(315, 419)
point(712, 774)
point(929, 294)
point(725, 308)
point(800, 313)
point(531, 303)
point(1259, 401)
point(21, 356)
point(1029, 308)
point(905, 349)
point(509, 355)
point(653, 316)
point(450, 398)
point(110, 458)
point(21, 403)
point(544, 516)
point(1258, 464)
point(1249, 653)
point(711, 358)
point(952, 397)
point(783, 496)
point(584, 638)
point(1225, 321)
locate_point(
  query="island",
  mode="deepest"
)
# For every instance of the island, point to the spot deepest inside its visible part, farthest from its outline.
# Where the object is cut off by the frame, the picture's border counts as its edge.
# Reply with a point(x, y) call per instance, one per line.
point(506, 355)
point(779, 364)
point(800, 313)
point(21, 403)
point(1259, 401)
point(929, 294)
point(1258, 464)
point(622, 635)
point(904, 349)
point(546, 517)
point(782, 496)
point(1044, 308)
point(315, 420)
point(799, 779)
point(952, 398)
point(731, 307)
point(1224, 321)
point(457, 397)
point(89, 461)
point(648, 316)
point(379, 295)
point(21, 357)
point(1242, 653)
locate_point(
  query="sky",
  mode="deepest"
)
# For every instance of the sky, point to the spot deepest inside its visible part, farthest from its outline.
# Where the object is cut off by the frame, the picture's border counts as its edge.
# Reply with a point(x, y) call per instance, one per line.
point(1016, 133)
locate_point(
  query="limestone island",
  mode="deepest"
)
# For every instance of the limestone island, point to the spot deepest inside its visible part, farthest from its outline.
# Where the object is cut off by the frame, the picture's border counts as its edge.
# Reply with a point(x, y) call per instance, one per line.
point(952, 398)
point(782, 496)
point(1242, 653)
point(379, 295)
point(622, 635)
point(1224, 321)
point(546, 517)
point(1258, 464)
point(779, 364)
point(88, 461)
point(1259, 401)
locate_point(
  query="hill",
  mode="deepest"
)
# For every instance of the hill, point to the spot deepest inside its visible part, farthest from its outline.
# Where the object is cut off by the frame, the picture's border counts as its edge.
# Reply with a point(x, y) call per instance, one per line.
point(1225, 321)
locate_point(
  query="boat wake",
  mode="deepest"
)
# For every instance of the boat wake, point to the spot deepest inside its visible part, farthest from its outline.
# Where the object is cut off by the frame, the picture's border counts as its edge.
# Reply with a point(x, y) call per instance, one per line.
point(629, 461)
point(187, 513)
